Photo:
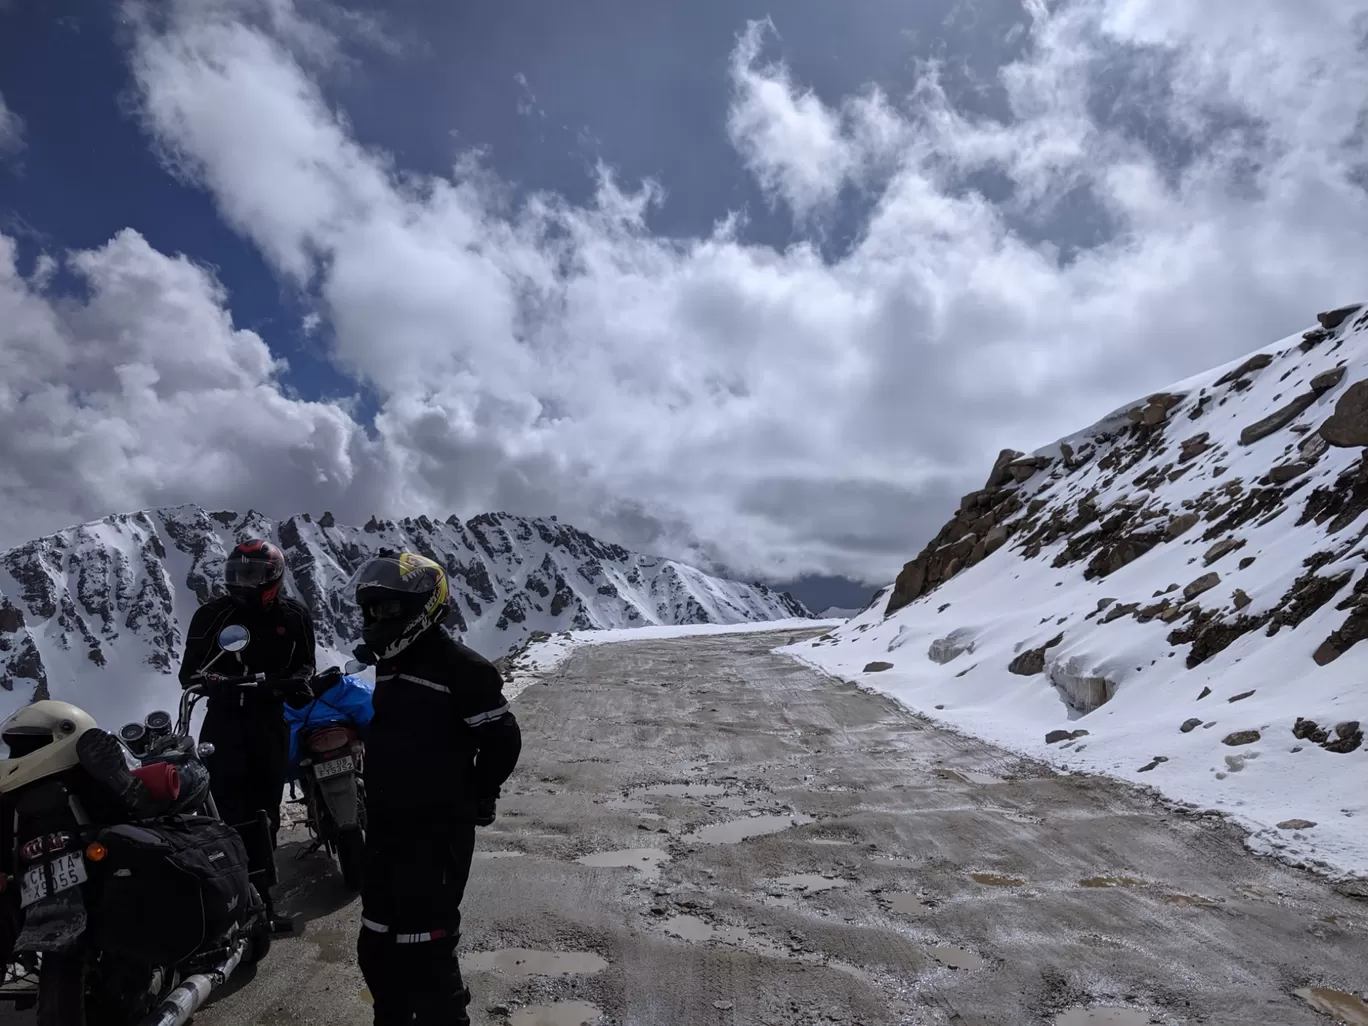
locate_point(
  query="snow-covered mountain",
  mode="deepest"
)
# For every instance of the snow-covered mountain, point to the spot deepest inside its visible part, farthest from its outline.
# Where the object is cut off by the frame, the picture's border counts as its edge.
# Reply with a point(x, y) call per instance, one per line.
point(1175, 596)
point(95, 614)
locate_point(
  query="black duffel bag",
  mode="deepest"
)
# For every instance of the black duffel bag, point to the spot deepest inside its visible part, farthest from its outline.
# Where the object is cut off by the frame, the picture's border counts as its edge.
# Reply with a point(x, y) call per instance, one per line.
point(169, 888)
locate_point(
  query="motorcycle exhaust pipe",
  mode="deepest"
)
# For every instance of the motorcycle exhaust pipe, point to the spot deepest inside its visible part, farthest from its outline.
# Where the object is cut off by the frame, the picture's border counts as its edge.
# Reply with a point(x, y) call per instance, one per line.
point(186, 999)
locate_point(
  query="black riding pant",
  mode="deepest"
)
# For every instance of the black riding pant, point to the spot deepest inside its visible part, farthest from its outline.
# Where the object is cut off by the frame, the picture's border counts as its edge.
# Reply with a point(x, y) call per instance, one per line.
point(247, 774)
point(410, 924)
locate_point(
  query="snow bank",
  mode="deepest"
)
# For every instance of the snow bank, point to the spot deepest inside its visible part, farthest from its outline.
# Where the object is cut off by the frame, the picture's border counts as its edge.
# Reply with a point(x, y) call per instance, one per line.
point(1092, 610)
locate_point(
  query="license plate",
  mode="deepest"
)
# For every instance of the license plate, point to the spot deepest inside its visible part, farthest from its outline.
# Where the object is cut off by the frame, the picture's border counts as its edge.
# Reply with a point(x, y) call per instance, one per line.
point(334, 767)
point(67, 871)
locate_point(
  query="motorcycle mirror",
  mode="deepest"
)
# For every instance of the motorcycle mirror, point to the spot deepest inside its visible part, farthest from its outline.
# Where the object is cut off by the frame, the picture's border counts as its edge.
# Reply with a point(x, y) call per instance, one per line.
point(204, 749)
point(353, 666)
point(234, 638)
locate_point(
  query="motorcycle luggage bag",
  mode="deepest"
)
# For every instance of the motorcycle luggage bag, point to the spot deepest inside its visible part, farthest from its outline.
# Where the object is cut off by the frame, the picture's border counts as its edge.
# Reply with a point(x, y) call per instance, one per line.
point(169, 888)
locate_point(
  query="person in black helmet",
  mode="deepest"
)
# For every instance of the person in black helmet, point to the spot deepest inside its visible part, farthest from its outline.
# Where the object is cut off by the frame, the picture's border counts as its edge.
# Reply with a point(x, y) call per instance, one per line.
point(247, 725)
point(442, 741)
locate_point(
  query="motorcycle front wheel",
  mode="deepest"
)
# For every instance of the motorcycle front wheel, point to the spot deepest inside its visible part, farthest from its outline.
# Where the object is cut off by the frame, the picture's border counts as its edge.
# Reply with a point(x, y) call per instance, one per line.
point(62, 989)
point(351, 857)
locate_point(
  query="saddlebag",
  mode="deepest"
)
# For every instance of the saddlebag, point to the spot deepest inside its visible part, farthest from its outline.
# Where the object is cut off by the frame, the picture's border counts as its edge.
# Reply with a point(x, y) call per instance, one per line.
point(169, 888)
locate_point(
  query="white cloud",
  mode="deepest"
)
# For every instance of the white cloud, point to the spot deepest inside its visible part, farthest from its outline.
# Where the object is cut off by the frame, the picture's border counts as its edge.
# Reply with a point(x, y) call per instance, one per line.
point(11, 131)
point(777, 411)
point(146, 393)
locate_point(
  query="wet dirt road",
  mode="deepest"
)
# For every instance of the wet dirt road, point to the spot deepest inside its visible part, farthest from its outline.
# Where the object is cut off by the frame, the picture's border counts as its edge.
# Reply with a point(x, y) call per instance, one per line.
point(701, 832)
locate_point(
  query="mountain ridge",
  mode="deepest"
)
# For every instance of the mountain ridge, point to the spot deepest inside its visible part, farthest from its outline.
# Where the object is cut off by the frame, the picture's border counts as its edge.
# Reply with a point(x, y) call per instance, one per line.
point(109, 599)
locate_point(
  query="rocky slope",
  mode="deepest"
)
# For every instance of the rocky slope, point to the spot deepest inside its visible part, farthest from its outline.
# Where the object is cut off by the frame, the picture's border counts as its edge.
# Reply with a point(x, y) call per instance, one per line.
point(96, 613)
point(1175, 594)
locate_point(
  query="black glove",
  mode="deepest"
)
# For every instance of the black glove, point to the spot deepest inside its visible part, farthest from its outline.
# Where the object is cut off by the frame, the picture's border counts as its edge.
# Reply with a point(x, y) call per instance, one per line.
point(290, 689)
point(485, 809)
point(363, 654)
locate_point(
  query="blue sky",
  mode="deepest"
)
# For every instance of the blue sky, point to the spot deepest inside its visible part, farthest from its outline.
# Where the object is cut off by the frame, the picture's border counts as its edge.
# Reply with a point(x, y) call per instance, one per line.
point(761, 286)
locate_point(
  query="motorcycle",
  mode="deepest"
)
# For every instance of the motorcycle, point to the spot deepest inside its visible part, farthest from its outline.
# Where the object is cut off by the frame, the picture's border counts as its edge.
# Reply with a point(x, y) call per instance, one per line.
point(134, 900)
point(328, 758)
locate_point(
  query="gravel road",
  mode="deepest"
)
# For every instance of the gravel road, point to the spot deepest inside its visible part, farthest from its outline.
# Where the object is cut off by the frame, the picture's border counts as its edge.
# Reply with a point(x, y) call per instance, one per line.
point(702, 832)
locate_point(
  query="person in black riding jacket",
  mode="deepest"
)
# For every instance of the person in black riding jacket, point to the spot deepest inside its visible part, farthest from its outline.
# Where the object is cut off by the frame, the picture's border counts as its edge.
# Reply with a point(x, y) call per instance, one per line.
point(247, 725)
point(442, 741)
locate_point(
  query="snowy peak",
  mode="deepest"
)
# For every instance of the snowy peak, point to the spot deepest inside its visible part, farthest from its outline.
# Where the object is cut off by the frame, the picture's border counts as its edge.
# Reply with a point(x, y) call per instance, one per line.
point(111, 598)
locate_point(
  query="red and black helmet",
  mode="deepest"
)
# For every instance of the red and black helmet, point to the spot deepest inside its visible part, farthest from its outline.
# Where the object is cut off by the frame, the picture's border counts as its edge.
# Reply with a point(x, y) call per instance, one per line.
point(254, 572)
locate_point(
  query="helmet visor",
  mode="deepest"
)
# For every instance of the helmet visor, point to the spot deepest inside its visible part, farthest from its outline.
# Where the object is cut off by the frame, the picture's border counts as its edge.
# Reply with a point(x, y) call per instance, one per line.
point(384, 573)
point(248, 573)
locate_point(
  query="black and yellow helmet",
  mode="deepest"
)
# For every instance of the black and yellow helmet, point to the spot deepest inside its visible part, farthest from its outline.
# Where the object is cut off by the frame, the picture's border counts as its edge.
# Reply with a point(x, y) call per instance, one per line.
point(401, 597)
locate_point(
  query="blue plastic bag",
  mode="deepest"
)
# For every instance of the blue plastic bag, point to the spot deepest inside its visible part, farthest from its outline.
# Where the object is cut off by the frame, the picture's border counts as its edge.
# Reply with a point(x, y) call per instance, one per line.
point(348, 701)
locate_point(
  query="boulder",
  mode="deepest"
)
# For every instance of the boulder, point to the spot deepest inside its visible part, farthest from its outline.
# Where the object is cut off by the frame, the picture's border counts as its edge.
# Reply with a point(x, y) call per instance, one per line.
point(999, 475)
point(1312, 338)
point(1348, 738)
point(1296, 824)
point(1024, 469)
point(1055, 736)
point(1155, 409)
point(1116, 612)
point(1224, 547)
point(1204, 583)
point(1309, 730)
point(1240, 697)
point(1347, 427)
point(1332, 319)
point(1327, 379)
point(877, 666)
point(1278, 419)
point(1191, 448)
point(1241, 599)
point(1256, 362)
point(1241, 737)
point(1190, 725)
point(1032, 661)
point(1285, 472)
point(1180, 524)
point(994, 540)
point(1312, 447)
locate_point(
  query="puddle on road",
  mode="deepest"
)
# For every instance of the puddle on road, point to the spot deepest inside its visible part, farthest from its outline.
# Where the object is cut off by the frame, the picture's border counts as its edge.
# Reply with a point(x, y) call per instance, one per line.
point(967, 777)
point(1346, 1008)
point(685, 790)
point(1103, 1016)
point(697, 931)
point(689, 928)
point(334, 946)
point(1110, 881)
point(811, 883)
point(907, 903)
point(644, 860)
point(561, 1013)
point(499, 854)
point(529, 962)
point(366, 998)
point(957, 958)
point(994, 880)
point(740, 829)
point(831, 842)
point(1191, 899)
